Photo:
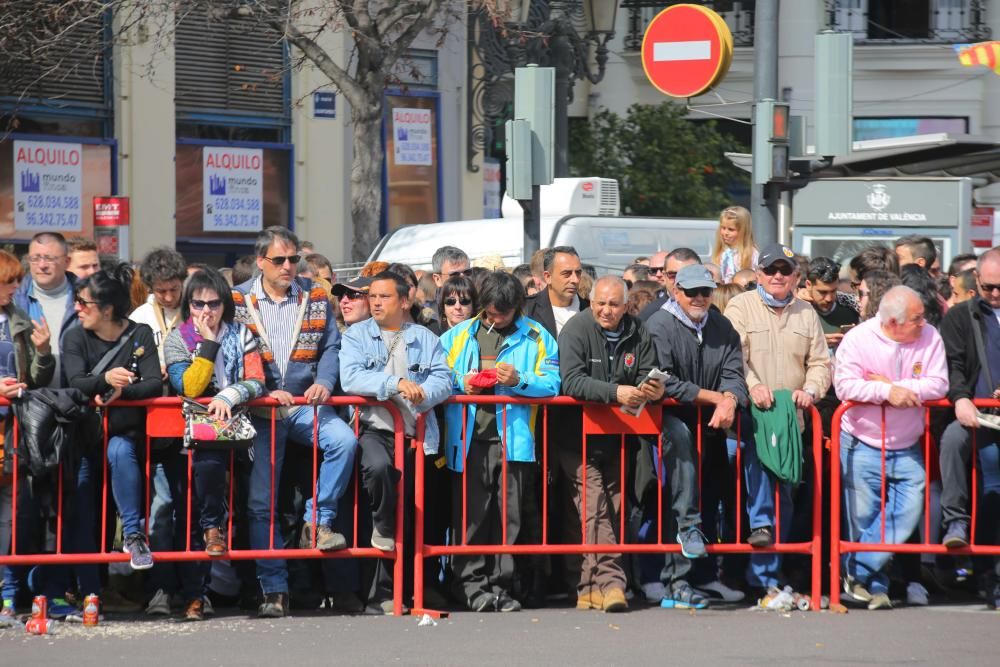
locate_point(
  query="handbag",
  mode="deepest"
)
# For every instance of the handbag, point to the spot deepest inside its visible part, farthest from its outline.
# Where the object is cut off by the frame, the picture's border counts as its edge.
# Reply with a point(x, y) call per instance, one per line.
point(202, 431)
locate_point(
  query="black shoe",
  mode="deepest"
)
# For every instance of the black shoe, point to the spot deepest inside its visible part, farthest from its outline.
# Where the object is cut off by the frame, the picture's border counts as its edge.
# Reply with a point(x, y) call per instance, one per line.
point(761, 538)
point(275, 605)
point(993, 596)
point(506, 603)
point(484, 602)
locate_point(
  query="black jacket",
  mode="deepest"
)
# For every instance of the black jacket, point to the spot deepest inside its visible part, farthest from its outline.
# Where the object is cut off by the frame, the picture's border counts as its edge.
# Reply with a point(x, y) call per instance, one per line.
point(588, 373)
point(652, 307)
point(539, 308)
point(716, 363)
point(964, 364)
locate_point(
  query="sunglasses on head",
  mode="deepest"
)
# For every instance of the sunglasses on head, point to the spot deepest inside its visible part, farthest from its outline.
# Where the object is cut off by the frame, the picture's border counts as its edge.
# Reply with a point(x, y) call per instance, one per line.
point(452, 300)
point(783, 269)
point(697, 291)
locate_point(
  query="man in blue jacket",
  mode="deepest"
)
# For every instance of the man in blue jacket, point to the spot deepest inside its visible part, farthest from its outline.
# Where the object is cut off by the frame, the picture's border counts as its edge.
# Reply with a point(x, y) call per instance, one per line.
point(525, 359)
point(297, 336)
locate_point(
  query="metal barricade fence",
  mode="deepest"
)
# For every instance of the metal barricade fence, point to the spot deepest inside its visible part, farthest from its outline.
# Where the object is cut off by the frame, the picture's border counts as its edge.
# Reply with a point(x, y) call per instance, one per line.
point(839, 545)
point(165, 420)
point(602, 418)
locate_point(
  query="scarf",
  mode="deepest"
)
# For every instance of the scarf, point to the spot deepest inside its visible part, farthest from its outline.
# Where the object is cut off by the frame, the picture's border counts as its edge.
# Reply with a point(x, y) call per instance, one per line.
point(674, 309)
point(771, 302)
point(729, 263)
point(230, 345)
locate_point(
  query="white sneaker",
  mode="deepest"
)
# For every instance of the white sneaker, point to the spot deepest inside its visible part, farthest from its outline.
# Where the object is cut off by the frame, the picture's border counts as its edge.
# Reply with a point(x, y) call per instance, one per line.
point(916, 594)
point(654, 592)
point(159, 605)
point(381, 542)
point(716, 591)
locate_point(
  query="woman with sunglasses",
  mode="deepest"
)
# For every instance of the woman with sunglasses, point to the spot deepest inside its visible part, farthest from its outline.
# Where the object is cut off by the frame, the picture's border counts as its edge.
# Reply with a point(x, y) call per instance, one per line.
point(131, 372)
point(209, 354)
point(457, 302)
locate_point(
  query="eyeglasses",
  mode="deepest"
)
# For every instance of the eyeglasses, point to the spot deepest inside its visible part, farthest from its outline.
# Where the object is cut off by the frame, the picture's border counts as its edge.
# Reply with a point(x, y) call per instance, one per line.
point(656, 269)
point(697, 291)
point(671, 275)
point(465, 272)
point(211, 304)
point(353, 296)
point(783, 269)
point(48, 259)
point(280, 260)
point(83, 303)
point(750, 286)
point(989, 289)
point(451, 301)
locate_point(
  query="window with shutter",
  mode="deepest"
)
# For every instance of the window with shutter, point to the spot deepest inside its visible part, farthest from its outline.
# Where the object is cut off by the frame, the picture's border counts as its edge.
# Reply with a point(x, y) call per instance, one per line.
point(229, 65)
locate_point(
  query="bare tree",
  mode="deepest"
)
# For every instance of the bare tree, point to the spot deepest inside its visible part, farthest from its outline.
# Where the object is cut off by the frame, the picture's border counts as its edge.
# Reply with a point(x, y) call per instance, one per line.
point(41, 39)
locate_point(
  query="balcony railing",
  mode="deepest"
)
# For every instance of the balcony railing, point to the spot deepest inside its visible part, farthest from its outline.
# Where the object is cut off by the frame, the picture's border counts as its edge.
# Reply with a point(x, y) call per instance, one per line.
point(738, 16)
point(910, 21)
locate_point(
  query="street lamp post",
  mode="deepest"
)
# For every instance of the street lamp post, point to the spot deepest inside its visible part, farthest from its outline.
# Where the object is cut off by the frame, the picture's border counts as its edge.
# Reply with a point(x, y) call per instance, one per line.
point(569, 35)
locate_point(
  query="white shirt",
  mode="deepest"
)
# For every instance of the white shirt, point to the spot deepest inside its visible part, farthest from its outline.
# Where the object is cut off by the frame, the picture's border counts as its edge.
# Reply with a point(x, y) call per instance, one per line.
point(562, 315)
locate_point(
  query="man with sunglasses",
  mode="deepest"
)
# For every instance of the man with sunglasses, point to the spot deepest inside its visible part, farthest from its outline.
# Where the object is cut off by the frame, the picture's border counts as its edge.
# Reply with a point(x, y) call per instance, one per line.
point(299, 343)
point(449, 261)
point(783, 348)
point(666, 273)
point(700, 350)
point(973, 376)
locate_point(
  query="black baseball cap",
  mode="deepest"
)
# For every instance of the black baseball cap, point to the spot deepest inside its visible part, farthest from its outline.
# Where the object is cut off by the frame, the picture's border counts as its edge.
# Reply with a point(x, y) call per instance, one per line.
point(776, 252)
point(358, 284)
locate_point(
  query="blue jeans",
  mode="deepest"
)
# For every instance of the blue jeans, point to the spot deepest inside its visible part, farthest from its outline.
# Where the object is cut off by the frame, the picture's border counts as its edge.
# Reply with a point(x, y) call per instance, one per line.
point(861, 472)
point(126, 482)
point(337, 445)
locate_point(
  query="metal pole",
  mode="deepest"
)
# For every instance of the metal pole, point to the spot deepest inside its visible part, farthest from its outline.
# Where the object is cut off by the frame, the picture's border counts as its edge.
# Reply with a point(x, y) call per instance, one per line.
point(764, 198)
point(562, 60)
point(532, 223)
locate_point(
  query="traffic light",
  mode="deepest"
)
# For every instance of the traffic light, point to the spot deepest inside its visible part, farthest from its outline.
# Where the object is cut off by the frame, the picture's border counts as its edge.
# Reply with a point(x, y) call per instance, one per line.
point(770, 149)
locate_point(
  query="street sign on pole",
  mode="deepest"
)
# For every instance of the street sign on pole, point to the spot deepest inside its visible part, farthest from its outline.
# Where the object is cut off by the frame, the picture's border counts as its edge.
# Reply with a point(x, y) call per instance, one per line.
point(686, 50)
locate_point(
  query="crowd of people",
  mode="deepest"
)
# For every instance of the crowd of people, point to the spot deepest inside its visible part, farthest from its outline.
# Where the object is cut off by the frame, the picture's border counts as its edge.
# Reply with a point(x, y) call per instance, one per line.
point(745, 344)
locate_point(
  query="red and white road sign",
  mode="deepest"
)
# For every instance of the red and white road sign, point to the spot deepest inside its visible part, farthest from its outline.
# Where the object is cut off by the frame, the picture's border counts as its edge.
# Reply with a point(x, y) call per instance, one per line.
point(686, 50)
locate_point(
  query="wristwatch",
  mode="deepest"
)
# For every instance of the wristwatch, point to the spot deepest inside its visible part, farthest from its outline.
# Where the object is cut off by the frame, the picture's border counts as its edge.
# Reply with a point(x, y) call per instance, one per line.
point(811, 392)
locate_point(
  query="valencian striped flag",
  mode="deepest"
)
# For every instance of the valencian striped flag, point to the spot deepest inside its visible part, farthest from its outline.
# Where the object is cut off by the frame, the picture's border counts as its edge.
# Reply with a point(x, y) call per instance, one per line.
point(983, 53)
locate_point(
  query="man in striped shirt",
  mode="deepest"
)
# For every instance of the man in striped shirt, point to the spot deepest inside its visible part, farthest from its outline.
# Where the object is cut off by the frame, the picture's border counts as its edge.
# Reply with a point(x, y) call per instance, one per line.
point(297, 335)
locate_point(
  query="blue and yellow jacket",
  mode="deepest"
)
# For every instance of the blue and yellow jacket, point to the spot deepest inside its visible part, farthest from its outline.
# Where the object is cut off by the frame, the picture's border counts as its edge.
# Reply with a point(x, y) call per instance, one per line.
point(533, 352)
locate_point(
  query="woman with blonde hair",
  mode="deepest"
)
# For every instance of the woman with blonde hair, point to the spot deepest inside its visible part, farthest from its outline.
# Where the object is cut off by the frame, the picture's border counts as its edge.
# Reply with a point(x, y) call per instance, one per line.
point(734, 249)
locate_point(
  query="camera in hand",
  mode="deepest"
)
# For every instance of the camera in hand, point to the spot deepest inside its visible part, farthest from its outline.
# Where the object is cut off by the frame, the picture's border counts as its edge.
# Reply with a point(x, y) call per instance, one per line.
point(132, 366)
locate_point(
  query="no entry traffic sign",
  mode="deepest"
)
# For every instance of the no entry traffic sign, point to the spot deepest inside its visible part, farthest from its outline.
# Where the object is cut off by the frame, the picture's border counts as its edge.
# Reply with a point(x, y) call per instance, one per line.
point(686, 50)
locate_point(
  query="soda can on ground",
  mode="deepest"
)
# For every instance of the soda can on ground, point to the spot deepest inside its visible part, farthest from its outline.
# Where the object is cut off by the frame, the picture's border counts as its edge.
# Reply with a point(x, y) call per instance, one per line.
point(91, 610)
point(40, 607)
point(40, 626)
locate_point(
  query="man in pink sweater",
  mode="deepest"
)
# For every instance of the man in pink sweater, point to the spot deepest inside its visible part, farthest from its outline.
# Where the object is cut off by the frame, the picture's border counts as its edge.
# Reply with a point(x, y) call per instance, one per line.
point(891, 359)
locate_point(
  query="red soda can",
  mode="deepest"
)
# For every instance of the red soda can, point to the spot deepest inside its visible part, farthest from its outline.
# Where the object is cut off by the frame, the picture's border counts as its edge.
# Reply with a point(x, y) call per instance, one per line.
point(38, 626)
point(40, 607)
point(91, 607)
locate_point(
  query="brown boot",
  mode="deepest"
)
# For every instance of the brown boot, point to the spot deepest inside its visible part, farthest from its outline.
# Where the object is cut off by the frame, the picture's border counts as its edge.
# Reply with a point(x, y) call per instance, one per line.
point(215, 543)
point(195, 610)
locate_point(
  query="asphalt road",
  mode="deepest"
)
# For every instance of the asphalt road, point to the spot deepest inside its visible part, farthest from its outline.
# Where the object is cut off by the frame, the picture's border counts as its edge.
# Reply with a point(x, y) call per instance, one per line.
point(937, 635)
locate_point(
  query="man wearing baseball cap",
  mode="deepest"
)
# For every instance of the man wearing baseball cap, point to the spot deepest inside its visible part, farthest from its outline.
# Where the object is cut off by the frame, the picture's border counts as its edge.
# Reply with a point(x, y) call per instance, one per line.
point(700, 350)
point(783, 349)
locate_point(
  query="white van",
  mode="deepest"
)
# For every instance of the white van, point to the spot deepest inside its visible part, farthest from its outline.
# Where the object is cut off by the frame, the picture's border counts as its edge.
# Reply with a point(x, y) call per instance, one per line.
point(579, 212)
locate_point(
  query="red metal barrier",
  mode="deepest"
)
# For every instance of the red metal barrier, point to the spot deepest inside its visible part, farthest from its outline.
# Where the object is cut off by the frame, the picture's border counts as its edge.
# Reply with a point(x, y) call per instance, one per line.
point(839, 546)
point(602, 418)
point(164, 420)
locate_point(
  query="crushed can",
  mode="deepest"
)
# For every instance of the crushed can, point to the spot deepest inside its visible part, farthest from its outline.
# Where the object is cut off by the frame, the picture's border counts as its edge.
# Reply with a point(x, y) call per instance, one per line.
point(91, 610)
point(40, 626)
point(40, 607)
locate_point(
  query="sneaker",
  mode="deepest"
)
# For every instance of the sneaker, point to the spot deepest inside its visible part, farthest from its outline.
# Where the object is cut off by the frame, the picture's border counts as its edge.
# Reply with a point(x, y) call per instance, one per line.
point(59, 609)
point(880, 601)
point(140, 558)
point(992, 596)
point(761, 538)
point(654, 592)
point(326, 538)
point(506, 603)
point(716, 591)
point(275, 605)
point(114, 602)
point(614, 601)
point(383, 608)
point(692, 543)
point(684, 597)
point(207, 608)
point(484, 602)
point(381, 542)
point(957, 535)
point(855, 592)
point(916, 594)
point(7, 612)
point(347, 603)
point(159, 605)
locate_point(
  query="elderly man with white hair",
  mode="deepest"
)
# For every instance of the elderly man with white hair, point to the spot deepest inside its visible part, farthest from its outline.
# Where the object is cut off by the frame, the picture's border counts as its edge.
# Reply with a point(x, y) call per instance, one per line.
point(897, 361)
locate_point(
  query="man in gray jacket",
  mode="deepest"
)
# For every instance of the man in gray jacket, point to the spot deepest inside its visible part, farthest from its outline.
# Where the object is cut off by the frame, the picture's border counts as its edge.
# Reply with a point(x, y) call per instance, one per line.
point(607, 354)
point(701, 351)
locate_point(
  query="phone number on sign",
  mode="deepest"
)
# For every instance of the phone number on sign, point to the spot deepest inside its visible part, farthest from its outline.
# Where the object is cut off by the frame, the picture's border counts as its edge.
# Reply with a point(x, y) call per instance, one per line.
point(65, 220)
point(247, 220)
point(52, 201)
point(236, 204)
